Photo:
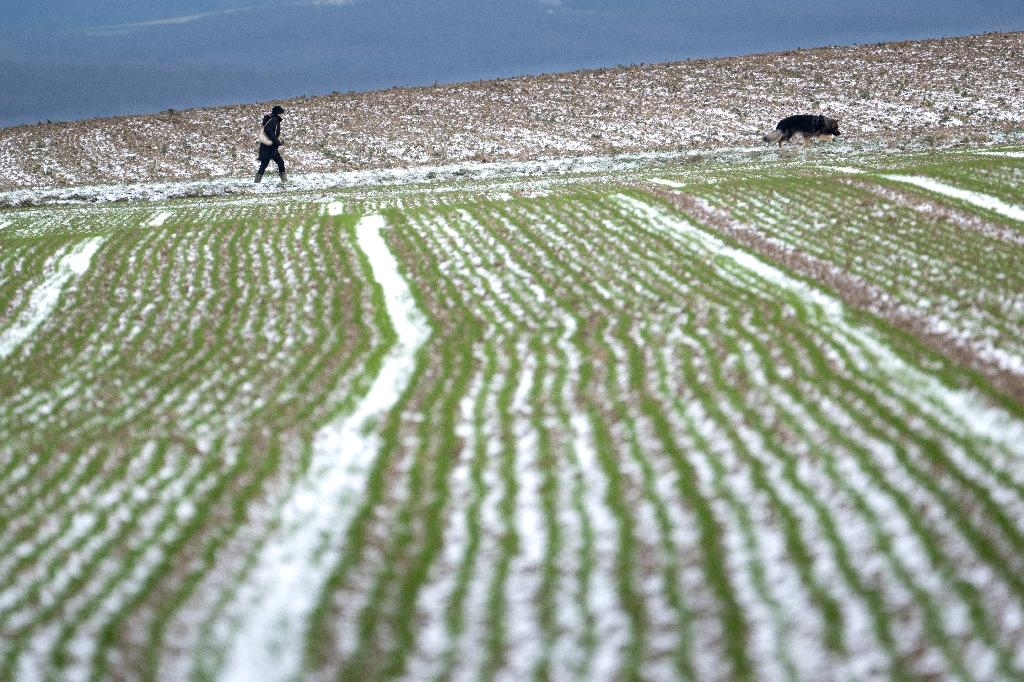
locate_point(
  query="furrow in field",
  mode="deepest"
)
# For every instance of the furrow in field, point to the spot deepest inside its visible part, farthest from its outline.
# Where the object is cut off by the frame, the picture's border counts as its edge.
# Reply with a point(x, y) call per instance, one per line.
point(503, 307)
point(62, 268)
point(102, 593)
point(28, 419)
point(982, 178)
point(932, 208)
point(258, 520)
point(919, 580)
point(410, 541)
point(953, 289)
point(143, 535)
point(40, 490)
point(558, 560)
point(513, 503)
point(365, 620)
point(70, 394)
point(281, 588)
point(449, 239)
point(439, 602)
point(766, 659)
point(22, 265)
point(983, 424)
point(621, 448)
point(615, 622)
point(728, 429)
point(974, 198)
point(330, 380)
point(88, 570)
point(923, 599)
point(948, 402)
point(768, 588)
point(651, 523)
point(86, 329)
point(658, 288)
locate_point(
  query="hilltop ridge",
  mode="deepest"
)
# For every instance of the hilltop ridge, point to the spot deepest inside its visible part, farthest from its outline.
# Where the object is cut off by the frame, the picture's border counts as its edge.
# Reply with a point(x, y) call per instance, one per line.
point(941, 90)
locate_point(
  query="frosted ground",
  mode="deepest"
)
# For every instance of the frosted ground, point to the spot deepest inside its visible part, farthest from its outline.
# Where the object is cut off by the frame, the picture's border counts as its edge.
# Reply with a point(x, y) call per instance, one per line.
point(654, 416)
point(934, 91)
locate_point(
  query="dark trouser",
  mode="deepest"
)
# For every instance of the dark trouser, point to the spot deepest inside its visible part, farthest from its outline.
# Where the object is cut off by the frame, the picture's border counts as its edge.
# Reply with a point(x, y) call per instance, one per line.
point(268, 154)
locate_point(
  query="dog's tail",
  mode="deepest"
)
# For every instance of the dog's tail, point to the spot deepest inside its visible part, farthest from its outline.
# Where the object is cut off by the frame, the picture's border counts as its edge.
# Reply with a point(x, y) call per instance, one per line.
point(773, 136)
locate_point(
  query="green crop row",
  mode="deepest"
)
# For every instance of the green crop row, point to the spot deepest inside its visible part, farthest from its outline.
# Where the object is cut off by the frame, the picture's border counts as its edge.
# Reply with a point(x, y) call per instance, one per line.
point(174, 384)
point(685, 436)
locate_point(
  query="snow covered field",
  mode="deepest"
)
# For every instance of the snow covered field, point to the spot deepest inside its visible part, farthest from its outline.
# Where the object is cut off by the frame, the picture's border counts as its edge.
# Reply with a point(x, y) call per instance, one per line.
point(647, 416)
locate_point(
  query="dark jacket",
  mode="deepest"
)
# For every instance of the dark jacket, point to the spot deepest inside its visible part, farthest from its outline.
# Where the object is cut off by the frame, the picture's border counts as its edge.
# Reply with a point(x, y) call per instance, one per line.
point(272, 129)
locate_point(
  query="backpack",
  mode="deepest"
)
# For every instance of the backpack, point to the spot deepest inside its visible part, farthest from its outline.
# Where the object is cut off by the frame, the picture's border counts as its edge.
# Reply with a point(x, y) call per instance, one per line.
point(263, 133)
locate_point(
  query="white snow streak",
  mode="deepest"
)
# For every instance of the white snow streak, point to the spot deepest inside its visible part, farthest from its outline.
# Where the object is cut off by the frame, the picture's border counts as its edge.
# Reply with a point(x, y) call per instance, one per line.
point(523, 584)
point(986, 201)
point(62, 268)
point(292, 568)
point(668, 183)
point(1011, 155)
point(844, 169)
point(976, 416)
point(157, 191)
point(611, 625)
point(335, 208)
point(159, 219)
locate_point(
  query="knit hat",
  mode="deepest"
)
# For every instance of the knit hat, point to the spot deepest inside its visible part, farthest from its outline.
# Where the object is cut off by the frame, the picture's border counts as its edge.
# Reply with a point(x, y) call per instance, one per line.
point(277, 110)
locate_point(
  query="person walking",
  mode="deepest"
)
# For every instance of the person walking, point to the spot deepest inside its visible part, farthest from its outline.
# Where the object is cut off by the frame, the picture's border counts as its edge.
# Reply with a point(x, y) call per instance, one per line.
point(270, 140)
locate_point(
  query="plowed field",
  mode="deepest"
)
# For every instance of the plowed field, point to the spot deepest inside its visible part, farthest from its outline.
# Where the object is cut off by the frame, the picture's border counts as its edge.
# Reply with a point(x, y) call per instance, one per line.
point(699, 421)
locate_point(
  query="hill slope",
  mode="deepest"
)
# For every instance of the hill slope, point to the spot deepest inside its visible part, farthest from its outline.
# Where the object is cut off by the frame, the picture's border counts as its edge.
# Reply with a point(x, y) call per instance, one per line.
point(947, 89)
point(710, 420)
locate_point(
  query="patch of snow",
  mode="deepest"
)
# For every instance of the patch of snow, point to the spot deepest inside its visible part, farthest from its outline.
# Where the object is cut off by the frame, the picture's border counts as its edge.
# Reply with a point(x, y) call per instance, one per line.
point(964, 411)
point(159, 219)
point(62, 268)
point(843, 169)
point(977, 417)
point(335, 208)
point(611, 625)
point(986, 201)
point(155, 191)
point(434, 639)
point(523, 584)
point(668, 183)
point(281, 592)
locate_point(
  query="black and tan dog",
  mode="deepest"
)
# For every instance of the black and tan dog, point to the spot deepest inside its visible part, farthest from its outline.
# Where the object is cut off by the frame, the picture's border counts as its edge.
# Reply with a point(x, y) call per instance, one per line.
point(808, 126)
